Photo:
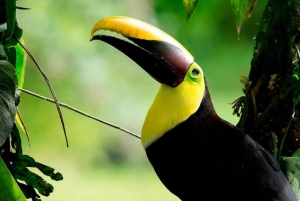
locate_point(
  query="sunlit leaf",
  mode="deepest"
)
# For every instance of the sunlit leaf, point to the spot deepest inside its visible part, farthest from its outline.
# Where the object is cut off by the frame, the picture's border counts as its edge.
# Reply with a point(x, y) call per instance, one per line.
point(22, 125)
point(291, 169)
point(9, 188)
point(20, 63)
point(242, 9)
point(189, 7)
point(20, 70)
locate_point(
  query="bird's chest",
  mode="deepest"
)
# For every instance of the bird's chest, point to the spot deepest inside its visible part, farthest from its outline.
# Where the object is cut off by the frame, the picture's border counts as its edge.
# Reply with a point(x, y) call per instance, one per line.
point(180, 162)
point(173, 153)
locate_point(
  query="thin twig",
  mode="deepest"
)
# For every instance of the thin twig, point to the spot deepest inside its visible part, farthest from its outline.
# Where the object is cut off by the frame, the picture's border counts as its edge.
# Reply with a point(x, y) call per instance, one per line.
point(50, 87)
point(81, 112)
point(22, 8)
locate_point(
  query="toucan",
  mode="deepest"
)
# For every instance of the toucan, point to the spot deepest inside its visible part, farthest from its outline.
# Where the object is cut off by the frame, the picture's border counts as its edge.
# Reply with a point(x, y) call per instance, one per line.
point(196, 154)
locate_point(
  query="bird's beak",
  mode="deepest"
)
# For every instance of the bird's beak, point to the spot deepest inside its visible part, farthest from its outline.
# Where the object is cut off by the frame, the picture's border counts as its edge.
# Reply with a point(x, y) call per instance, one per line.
point(165, 59)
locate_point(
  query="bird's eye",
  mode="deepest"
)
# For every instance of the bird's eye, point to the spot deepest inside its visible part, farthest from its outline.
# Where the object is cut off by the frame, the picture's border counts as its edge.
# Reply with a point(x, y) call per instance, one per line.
point(195, 72)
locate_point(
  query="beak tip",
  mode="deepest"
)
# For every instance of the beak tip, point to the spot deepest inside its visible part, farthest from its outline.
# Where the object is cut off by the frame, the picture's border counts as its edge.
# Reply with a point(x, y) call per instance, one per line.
point(94, 37)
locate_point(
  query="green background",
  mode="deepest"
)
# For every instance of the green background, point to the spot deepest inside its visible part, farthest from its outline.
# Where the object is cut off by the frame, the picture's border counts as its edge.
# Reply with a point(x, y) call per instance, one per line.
point(103, 163)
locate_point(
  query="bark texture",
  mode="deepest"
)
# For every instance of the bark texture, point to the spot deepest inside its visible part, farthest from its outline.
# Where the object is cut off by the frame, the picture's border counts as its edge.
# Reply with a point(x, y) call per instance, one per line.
point(273, 85)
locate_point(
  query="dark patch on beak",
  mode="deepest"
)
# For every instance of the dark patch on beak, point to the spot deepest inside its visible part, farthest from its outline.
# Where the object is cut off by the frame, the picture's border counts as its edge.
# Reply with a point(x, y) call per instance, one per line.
point(165, 62)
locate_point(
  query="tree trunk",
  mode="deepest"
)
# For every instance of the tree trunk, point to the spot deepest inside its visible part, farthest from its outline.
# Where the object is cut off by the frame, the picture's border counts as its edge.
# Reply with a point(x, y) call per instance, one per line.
point(273, 88)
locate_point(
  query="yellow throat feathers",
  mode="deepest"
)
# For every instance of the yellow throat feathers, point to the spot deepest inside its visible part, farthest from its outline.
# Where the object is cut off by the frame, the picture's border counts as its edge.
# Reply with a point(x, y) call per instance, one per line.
point(172, 106)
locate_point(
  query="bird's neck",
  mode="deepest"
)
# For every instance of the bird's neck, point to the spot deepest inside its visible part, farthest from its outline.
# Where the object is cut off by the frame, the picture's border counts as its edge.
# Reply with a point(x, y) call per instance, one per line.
point(206, 111)
point(171, 107)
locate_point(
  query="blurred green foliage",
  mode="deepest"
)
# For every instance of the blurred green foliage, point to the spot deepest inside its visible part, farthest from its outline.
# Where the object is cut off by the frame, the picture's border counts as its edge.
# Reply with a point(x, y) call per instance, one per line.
point(103, 163)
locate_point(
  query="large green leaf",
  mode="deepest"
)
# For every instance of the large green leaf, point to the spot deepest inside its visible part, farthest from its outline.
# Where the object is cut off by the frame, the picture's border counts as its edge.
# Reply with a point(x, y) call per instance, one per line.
point(291, 169)
point(9, 188)
point(7, 105)
point(10, 70)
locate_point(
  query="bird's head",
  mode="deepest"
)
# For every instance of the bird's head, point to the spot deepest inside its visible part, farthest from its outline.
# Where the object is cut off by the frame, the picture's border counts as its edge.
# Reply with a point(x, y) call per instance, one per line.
point(168, 62)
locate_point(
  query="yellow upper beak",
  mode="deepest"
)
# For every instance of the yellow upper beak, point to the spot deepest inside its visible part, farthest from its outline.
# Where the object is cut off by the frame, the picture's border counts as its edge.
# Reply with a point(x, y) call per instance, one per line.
point(158, 53)
point(133, 28)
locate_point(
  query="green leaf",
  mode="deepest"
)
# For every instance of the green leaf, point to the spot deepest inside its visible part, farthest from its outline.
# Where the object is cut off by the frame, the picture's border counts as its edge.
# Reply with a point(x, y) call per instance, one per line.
point(10, 70)
point(7, 105)
point(9, 188)
point(291, 169)
point(189, 7)
point(10, 11)
point(18, 32)
point(20, 63)
point(242, 9)
point(296, 153)
point(3, 23)
point(11, 55)
point(16, 139)
point(3, 55)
